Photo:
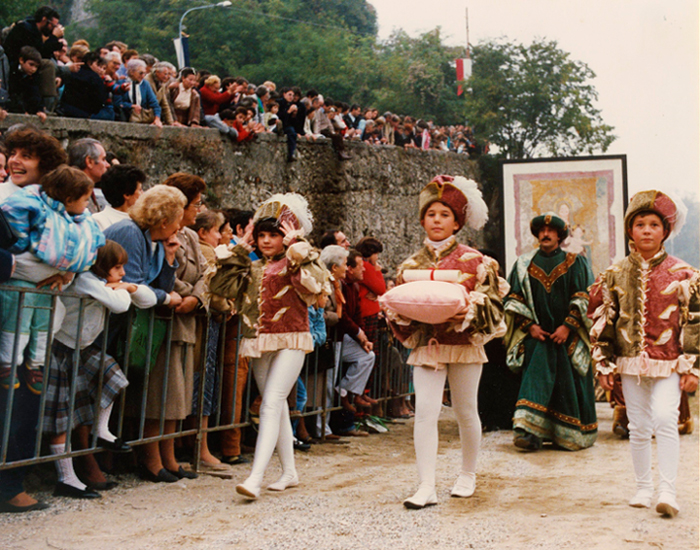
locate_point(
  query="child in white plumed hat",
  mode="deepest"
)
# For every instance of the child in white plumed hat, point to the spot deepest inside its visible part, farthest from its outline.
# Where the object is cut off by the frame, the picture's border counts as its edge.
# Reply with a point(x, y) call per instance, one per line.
point(451, 347)
point(272, 296)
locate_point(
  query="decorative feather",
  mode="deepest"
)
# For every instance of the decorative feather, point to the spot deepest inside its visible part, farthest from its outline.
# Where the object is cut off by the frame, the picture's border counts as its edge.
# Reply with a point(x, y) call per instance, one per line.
point(477, 212)
point(681, 214)
point(294, 203)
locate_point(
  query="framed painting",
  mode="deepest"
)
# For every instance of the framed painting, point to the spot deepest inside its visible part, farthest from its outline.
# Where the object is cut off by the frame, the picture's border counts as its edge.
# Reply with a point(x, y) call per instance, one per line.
point(589, 193)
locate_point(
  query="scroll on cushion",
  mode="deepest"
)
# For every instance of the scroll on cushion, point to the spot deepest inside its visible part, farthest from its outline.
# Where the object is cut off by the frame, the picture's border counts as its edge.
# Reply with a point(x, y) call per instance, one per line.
point(431, 302)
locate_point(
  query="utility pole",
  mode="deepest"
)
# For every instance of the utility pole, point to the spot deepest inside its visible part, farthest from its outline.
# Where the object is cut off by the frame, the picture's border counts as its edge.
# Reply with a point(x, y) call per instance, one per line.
point(468, 56)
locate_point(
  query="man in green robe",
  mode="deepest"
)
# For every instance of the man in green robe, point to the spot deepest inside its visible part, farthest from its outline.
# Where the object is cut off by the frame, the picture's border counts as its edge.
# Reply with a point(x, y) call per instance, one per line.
point(548, 340)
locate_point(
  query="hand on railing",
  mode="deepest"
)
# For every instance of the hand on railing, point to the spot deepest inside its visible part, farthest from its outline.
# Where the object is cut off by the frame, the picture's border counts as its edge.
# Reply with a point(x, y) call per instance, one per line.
point(56, 282)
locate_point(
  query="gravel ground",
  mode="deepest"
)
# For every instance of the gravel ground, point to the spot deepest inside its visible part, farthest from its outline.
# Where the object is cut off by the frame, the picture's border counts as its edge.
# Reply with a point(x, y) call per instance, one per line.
point(350, 498)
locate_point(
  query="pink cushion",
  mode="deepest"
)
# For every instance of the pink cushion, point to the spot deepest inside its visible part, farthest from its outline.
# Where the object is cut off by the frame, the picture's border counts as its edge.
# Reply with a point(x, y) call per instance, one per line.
point(431, 302)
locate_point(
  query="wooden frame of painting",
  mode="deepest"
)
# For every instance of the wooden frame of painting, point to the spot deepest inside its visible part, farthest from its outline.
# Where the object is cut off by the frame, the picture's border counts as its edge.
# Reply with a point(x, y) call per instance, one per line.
point(590, 193)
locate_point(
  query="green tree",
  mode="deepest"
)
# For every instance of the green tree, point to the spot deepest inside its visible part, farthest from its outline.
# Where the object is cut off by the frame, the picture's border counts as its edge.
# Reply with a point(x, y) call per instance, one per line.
point(534, 100)
point(417, 77)
point(330, 45)
point(15, 10)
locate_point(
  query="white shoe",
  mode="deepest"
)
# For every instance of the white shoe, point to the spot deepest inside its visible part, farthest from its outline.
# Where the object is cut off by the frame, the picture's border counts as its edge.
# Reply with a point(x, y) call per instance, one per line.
point(667, 505)
point(425, 496)
point(247, 489)
point(284, 482)
point(464, 486)
point(642, 499)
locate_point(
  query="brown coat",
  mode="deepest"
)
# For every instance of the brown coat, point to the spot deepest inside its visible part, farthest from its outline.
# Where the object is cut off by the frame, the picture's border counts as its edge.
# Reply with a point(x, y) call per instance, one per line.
point(161, 91)
point(190, 281)
point(190, 116)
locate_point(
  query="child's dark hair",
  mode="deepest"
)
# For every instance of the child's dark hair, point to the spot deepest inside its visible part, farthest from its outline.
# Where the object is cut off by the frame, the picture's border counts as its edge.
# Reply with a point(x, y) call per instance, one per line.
point(268, 225)
point(227, 114)
point(110, 255)
point(66, 183)
point(28, 53)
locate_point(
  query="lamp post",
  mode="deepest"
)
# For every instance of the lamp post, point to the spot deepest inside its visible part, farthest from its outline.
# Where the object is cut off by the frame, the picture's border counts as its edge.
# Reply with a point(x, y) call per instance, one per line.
point(180, 57)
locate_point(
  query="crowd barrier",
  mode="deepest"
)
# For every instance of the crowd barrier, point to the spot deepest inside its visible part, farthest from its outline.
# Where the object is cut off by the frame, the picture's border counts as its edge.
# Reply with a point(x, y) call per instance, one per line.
point(391, 377)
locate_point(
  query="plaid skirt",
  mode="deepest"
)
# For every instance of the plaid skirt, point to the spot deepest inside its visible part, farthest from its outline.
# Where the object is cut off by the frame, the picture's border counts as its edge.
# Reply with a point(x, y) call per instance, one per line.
point(211, 380)
point(57, 387)
point(371, 323)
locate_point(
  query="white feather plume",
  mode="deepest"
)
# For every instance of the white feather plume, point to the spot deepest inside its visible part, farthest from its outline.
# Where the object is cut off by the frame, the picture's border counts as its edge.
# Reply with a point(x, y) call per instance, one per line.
point(477, 213)
point(297, 204)
point(681, 214)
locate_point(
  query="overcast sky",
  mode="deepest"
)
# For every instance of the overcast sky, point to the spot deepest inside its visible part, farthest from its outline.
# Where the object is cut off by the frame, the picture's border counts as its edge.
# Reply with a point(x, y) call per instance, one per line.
point(644, 52)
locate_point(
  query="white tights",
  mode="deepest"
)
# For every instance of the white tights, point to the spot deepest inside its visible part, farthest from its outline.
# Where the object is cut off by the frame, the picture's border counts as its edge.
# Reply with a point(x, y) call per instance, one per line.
point(652, 408)
point(429, 385)
point(275, 373)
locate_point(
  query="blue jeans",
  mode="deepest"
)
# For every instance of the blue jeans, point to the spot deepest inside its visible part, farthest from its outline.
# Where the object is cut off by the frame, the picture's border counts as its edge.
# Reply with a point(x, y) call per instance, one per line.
point(301, 402)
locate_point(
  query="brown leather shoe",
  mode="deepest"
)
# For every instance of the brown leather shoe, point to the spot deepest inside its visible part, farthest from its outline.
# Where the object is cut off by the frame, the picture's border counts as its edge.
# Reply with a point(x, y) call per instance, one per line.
point(346, 404)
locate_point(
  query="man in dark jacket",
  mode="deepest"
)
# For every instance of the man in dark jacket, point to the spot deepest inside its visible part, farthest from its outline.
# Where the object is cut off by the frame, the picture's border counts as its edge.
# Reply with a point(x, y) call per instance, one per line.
point(85, 94)
point(288, 114)
point(42, 32)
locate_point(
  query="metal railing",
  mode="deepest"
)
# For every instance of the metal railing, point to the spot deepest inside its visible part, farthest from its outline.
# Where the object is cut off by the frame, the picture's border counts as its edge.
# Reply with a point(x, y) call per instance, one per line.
point(391, 379)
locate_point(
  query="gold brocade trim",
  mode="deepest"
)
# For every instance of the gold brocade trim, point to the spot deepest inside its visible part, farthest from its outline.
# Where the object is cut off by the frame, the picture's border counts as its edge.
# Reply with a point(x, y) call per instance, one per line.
point(557, 415)
point(548, 280)
point(573, 322)
point(572, 346)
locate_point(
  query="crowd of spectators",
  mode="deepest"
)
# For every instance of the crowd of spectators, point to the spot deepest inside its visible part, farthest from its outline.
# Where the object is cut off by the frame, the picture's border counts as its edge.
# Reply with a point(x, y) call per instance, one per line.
point(86, 227)
point(41, 74)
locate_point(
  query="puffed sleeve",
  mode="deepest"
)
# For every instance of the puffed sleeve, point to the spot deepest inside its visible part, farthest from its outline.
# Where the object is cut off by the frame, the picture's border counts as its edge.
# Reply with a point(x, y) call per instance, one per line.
point(485, 316)
point(233, 276)
point(310, 276)
point(603, 311)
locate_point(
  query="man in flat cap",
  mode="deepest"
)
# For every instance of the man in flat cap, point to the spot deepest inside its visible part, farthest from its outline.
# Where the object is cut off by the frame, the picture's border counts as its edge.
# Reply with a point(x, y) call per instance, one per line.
point(548, 341)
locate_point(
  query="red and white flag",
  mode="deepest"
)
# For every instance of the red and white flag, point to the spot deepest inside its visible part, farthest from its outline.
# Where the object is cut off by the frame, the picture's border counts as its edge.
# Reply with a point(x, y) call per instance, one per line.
point(464, 71)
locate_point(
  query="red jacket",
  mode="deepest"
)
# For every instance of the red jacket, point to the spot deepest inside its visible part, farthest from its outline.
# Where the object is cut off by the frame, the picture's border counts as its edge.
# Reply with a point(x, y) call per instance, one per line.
point(211, 99)
point(372, 282)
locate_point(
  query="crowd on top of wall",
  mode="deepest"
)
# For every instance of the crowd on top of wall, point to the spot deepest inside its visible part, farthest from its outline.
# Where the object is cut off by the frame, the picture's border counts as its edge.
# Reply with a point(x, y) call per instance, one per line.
point(41, 74)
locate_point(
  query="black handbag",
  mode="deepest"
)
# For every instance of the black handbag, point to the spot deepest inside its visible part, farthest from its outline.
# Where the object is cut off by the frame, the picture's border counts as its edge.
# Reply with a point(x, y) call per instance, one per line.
point(7, 235)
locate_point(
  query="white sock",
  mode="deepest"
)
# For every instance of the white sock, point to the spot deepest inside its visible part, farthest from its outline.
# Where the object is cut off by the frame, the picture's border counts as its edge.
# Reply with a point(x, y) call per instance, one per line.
point(64, 467)
point(103, 424)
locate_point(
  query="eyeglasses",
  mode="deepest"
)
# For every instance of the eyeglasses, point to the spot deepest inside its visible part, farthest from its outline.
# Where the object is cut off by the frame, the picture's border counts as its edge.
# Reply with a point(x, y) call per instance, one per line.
point(197, 204)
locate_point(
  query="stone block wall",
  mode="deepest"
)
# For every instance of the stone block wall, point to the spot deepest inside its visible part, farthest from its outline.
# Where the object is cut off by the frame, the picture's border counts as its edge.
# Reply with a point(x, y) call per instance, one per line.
point(374, 193)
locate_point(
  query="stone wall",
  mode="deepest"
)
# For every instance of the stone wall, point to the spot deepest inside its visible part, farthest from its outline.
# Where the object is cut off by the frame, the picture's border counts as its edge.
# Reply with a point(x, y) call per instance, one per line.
point(375, 193)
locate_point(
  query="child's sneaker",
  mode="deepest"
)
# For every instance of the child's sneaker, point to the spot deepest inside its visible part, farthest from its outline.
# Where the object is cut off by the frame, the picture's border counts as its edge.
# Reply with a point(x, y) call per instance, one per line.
point(667, 505)
point(34, 379)
point(5, 381)
point(642, 499)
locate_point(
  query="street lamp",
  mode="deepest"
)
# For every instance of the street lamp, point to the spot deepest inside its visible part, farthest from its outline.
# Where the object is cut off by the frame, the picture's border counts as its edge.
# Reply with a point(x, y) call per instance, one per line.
point(180, 56)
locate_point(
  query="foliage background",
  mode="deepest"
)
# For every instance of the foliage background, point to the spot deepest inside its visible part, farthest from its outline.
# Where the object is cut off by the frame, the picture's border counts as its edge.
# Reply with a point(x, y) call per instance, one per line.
point(527, 100)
